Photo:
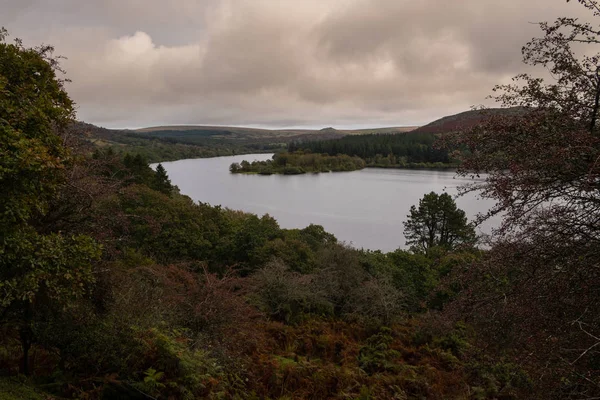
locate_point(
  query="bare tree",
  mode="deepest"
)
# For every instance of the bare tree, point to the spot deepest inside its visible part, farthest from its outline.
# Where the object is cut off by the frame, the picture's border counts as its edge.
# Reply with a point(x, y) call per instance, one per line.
point(538, 289)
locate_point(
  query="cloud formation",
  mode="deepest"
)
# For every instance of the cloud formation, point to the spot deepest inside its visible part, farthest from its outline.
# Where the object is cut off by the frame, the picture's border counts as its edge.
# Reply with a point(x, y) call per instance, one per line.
point(281, 63)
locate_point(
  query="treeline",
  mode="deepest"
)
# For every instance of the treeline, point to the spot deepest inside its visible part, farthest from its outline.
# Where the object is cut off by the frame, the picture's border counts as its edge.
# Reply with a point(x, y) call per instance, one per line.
point(156, 148)
point(299, 163)
point(157, 151)
point(406, 150)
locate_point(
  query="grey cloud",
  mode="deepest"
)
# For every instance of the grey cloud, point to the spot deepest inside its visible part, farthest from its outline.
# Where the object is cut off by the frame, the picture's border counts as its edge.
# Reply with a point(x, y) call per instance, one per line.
point(281, 62)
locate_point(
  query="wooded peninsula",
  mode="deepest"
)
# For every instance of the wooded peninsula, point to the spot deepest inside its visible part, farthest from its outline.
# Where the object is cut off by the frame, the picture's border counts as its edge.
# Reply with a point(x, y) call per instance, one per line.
point(299, 163)
point(350, 153)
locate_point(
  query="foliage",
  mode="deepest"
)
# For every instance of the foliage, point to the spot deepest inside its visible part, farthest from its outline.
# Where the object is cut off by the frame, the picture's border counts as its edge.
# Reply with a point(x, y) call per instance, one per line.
point(162, 183)
point(36, 266)
point(376, 355)
point(536, 290)
point(354, 296)
point(299, 163)
point(157, 150)
point(176, 369)
point(418, 277)
point(13, 389)
point(437, 222)
point(287, 296)
point(33, 104)
point(51, 266)
point(405, 150)
point(164, 148)
point(503, 379)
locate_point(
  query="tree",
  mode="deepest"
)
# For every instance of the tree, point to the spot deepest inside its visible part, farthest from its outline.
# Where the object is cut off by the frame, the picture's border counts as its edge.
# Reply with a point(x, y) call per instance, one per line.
point(234, 168)
point(437, 222)
point(32, 104)
point(161, 181)
point(540, 279)
point(37, 267)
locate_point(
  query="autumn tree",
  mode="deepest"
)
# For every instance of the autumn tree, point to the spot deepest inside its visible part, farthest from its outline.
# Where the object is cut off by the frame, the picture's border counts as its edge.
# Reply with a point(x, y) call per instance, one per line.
point(36, 267)
point(541, 281)
point(437, 221)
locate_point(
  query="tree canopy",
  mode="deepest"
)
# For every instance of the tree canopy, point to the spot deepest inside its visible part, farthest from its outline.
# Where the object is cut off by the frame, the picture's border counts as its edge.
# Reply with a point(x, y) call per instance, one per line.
point(404, 149)
point(36, 267)
point(437, 221)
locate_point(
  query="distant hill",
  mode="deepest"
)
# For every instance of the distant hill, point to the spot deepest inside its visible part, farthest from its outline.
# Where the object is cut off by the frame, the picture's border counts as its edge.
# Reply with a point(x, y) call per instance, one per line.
point(243, 139)
point(390, 130)
point(464, 120)
point(205, 135)
point(229, 132)
point(235, 132)
point(172, 142)
point(167, 143)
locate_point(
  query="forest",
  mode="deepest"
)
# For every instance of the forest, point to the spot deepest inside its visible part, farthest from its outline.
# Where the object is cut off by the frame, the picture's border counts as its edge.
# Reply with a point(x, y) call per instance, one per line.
point(298, 163)
point(401, 150)
point(114, 285)
point(156, 148)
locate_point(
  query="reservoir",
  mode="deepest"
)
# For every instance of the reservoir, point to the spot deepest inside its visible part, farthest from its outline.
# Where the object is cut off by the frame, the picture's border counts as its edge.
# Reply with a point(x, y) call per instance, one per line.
point(363, 208)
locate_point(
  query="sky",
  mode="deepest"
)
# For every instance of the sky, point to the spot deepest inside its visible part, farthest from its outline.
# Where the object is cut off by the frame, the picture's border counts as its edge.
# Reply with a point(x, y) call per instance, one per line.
point(281, 63)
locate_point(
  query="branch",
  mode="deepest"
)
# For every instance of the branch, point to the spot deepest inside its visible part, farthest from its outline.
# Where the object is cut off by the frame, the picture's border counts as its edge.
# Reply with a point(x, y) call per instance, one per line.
point(584, 353)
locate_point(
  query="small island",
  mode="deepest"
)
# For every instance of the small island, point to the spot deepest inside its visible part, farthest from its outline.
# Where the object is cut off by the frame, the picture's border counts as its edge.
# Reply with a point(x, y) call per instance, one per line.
point(297, 163)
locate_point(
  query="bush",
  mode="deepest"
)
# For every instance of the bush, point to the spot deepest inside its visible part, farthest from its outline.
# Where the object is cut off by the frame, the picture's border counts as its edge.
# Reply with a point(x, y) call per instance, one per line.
point(375, 301)
point(293, 171)
point(287, 296)
point(376, 355)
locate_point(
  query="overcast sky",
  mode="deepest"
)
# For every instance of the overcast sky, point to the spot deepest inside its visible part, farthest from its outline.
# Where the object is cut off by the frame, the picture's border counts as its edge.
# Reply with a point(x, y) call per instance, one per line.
point(281, 63)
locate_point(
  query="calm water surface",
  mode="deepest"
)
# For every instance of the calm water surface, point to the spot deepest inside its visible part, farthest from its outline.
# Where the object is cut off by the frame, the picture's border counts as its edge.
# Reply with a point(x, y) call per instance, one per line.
point(363, 208)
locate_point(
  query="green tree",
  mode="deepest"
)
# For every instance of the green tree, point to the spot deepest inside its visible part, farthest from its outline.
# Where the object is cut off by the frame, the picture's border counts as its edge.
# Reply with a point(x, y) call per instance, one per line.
point(37, 267)
point(161, 181)
point(437, 222)
point(234, 167)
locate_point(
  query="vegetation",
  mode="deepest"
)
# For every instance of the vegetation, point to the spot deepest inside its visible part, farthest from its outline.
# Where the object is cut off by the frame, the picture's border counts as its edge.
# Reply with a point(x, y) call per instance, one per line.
point(179, 142)
point(403, 150)
point(38, 269)
point(157, 148)
point(15, 389)
point(114, 285)
point(298, 163)
point(465, 120)
point(437, 222)
point(540, 279)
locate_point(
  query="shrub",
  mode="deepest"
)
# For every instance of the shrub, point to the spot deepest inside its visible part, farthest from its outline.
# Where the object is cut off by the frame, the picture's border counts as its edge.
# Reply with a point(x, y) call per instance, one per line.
point(287, 296)
point(376, 355)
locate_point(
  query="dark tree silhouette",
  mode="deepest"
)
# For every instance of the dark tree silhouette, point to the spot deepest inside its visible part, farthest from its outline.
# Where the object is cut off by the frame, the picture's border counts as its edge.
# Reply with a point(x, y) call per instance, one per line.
point(161, 182)
point(541, 280)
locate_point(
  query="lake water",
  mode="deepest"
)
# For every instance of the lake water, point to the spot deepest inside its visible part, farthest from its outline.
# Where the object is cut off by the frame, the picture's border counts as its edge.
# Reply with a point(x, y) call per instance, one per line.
point(363, 208)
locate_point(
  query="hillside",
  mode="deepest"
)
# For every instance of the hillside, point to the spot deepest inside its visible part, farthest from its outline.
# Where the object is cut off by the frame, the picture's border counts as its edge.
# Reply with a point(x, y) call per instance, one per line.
point(228, 132)
point(390, 130)
point(381, 150)
point(193, 132)
point(464, 120)
point(169, 143)
point(173, 142)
